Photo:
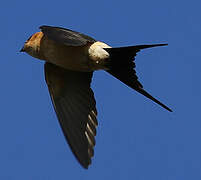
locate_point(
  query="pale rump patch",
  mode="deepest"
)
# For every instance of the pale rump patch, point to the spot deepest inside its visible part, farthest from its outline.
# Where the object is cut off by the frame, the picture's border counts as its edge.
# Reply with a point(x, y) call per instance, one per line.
point(98, 55)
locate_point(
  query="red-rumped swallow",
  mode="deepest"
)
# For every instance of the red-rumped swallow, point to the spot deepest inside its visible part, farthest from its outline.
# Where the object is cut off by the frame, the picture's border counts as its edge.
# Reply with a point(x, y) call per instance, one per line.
point(70, 59)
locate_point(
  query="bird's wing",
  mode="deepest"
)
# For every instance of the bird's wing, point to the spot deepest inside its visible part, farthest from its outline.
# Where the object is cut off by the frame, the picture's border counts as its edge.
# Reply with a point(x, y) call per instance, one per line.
point(122, 66)
point(66, 36)
point(75, 105)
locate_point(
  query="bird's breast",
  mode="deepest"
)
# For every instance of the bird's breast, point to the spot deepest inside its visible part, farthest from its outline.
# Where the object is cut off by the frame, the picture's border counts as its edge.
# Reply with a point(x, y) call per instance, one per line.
point(68, 57)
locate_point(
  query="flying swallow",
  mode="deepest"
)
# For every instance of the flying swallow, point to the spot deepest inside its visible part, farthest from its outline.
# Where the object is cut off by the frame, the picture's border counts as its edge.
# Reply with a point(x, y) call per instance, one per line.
point(70, 59)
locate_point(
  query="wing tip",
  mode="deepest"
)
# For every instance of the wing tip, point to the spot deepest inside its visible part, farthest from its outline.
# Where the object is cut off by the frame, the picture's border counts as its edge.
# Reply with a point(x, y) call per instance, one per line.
point(85, 166)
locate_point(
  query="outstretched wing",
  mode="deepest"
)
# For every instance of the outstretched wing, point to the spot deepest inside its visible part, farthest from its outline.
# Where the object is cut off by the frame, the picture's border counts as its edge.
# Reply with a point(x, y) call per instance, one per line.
point(66, 36)
point(75, 105)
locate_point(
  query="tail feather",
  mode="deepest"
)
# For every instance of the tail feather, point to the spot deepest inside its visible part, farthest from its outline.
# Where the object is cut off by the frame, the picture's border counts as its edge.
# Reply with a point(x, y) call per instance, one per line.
point(131, 50)
point(122, 67)
point(143, 92)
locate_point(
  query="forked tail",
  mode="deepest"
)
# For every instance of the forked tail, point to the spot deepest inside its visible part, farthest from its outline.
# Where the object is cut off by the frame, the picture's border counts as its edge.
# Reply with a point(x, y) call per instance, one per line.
point(122, 65)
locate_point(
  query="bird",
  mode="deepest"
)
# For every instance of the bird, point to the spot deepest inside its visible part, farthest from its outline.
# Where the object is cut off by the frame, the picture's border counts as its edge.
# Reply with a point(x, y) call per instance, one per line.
point(70, 60)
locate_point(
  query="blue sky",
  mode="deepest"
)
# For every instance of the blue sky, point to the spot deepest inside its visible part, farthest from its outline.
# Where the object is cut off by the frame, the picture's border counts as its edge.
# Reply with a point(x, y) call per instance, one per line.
point(136, 138)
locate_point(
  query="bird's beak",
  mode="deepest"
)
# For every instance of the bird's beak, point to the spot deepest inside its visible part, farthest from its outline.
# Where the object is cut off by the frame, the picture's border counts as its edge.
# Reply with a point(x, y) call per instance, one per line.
point(22, 50)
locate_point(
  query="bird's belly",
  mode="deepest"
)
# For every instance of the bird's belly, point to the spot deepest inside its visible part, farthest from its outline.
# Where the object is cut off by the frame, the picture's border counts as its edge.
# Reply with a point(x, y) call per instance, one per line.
point(76, 58)
point(72, 58)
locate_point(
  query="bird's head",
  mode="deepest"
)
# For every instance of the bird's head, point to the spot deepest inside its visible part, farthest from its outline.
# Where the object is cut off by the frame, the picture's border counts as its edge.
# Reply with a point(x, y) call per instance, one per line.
point(32, 45)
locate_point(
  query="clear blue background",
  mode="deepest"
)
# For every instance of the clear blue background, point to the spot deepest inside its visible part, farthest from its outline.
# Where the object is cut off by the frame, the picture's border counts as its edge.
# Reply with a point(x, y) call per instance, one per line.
point(136, 138)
